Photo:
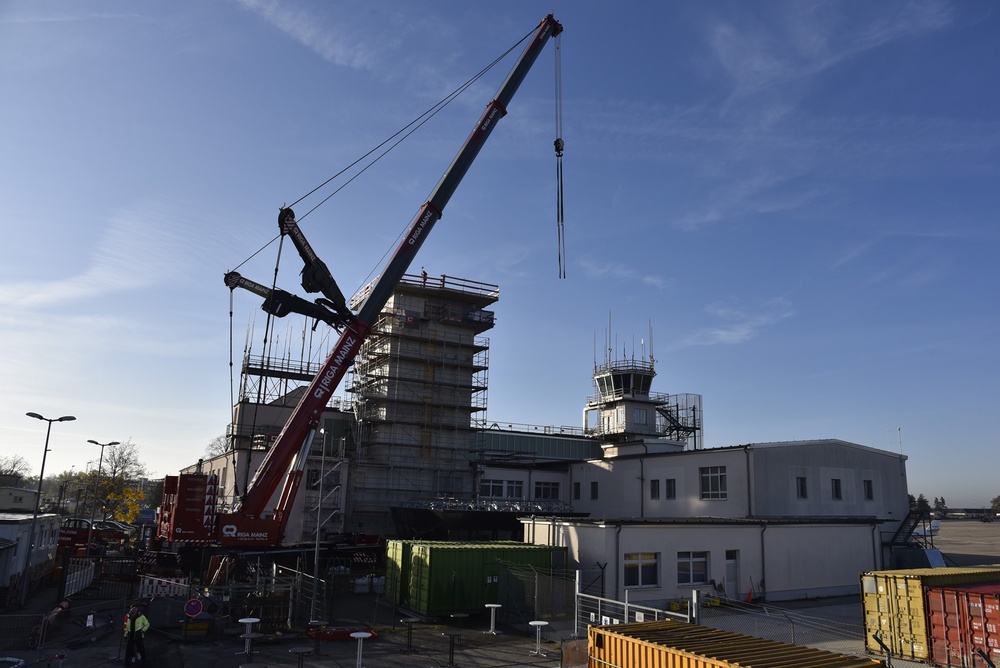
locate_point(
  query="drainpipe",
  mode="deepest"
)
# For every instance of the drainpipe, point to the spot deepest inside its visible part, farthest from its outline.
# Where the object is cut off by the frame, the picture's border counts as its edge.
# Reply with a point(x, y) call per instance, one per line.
point(642, 486)
point(750, 508)
point(763, 563)
point(618, 557)
point(875, 546)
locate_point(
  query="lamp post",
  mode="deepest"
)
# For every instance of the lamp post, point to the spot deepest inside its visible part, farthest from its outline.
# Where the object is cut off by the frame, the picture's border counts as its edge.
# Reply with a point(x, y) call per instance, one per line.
point(97, 489)
point(38, 500)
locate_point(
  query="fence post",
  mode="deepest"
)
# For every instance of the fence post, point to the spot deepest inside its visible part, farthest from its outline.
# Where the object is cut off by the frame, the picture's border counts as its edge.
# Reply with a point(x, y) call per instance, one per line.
point(576, 607)
point(695, 607)
point(65, 574)
point(537, 612)
point(626, 606)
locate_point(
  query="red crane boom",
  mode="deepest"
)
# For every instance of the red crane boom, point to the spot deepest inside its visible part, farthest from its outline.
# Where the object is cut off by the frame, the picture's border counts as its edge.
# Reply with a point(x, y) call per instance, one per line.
point(249, 526)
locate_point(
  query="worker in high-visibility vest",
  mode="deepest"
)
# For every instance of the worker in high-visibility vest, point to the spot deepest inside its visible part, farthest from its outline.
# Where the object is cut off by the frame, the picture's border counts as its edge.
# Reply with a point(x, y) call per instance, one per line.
point(136, 626)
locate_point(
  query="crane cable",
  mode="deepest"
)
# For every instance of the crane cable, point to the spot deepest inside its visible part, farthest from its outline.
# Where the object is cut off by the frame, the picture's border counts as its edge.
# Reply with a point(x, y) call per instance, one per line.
point(390, 142)
point(559, 145)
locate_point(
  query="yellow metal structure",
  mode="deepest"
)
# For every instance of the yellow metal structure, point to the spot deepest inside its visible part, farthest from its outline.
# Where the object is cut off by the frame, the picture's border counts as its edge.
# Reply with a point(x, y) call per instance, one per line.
point(671, 644)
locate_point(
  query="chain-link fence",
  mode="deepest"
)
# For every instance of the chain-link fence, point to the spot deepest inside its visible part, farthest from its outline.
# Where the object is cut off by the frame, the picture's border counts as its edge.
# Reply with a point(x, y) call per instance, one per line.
point(761, 621)
point(100, 577)
point(783, 625)
point(530, 593)
point(19, 632)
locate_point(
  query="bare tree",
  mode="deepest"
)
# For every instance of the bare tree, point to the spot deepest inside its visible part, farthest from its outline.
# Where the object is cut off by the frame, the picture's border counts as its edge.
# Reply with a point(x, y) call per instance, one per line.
point(14, 465)
point(217, 446)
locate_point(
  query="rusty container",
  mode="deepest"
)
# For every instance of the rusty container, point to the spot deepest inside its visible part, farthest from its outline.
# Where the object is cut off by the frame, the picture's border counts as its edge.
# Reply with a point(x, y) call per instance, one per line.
point(673, 644)
point(894, 609)
point(964, 625)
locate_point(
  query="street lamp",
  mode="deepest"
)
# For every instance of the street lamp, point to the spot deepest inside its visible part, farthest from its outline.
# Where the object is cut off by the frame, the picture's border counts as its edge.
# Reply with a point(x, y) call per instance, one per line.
point(38, 500)
point(97, 489)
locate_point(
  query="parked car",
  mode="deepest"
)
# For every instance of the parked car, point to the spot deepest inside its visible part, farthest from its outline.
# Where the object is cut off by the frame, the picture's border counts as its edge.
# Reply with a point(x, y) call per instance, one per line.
point(127, 529)
point(112, 529)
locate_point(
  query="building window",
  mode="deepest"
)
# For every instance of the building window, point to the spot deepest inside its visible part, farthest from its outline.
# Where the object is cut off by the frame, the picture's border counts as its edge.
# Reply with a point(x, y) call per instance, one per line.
point(654, 489)
point(669, 488)
point(641, 569)
point(801, 490)
point(515, 489)
point(869, 491)
point(713, 482)
point(449, 485)
point(547, 490)
point(692, 568)
point(491, 488)
point(835, 489)
point(593, 490)
point(576, 491)
point(639, 415)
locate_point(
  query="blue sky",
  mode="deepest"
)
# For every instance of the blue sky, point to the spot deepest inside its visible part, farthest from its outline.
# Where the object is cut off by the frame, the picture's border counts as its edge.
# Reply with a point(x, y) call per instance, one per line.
point(798, 199)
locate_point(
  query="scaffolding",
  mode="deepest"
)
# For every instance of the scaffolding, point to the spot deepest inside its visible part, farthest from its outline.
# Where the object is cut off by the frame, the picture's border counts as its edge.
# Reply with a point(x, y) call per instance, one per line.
point(420, 390)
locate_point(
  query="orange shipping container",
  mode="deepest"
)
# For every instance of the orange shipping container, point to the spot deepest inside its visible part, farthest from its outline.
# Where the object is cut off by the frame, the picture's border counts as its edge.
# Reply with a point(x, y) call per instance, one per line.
point(964, 625)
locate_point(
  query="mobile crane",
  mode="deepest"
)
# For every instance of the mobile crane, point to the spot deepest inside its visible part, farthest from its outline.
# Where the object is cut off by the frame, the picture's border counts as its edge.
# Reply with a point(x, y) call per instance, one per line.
point(249, 526)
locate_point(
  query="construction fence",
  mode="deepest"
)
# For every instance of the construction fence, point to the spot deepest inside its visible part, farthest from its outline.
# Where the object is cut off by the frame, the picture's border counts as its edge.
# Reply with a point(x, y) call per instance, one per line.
point(573, 600)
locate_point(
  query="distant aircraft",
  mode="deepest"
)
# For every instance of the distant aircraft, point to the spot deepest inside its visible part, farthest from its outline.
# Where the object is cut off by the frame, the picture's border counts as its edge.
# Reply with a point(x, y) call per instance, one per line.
point(928, 530)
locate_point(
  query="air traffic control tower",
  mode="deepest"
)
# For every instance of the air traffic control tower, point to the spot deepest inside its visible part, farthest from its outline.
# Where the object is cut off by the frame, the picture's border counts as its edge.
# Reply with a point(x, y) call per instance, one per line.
point(624, 411)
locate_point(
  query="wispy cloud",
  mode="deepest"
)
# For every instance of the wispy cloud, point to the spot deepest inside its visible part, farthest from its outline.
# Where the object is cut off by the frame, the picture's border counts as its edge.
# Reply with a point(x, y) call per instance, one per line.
point(759, 193)
point(136, 250)
point(739, 322)
point(907, 259)
point(814, 39)
point(335, 44)
point(622, 272)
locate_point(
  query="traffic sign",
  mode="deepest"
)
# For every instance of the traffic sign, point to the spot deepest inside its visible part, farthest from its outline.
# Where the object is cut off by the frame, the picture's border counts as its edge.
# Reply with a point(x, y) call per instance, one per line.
point(192, 608)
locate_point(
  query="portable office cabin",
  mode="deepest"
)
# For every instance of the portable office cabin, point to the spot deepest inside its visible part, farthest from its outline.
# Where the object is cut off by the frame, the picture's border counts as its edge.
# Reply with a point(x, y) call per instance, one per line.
point(672, 644)
point(895, 610)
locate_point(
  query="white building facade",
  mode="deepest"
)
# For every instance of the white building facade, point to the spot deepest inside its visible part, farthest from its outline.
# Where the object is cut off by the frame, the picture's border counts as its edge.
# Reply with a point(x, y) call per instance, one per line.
point(773, 520)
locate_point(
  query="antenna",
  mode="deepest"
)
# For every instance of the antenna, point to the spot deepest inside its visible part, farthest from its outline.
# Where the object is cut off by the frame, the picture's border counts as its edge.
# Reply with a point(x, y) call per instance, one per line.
point(650, 325)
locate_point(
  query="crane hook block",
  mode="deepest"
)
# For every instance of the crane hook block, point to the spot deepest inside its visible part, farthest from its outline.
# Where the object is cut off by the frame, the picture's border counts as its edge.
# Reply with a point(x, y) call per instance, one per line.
point(560, 145)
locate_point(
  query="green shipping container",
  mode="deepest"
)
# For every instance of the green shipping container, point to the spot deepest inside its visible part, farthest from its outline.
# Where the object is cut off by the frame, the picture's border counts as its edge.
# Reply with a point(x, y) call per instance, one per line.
point(397, 569)
point(450, 578)
point(895, 609)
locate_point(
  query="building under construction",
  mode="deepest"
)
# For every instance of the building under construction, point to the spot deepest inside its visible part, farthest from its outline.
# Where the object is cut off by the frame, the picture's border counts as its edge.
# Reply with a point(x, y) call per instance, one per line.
point(420, 386)
point(406, 455)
